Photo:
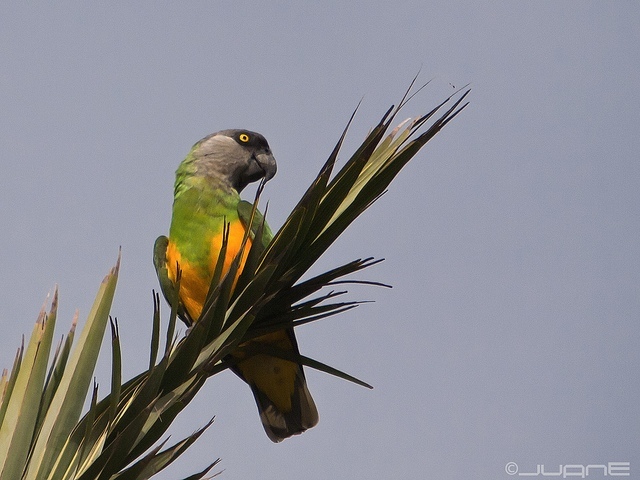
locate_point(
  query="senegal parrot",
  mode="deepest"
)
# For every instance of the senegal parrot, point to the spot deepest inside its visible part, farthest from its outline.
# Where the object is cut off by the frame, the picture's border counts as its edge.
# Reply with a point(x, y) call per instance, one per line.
point(206, 195)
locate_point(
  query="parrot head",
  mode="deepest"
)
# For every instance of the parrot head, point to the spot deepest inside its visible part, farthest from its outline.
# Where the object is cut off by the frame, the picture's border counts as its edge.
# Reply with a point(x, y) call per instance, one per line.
point(238, 156)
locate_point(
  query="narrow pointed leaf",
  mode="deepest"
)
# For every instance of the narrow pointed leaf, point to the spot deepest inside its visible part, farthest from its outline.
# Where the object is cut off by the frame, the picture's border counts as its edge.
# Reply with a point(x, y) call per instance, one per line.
point(19, 423)
point(10, 383)
point(67, 403)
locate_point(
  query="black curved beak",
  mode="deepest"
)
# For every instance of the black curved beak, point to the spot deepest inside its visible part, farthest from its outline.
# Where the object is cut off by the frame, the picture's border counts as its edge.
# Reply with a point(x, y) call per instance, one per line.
point(267, 163)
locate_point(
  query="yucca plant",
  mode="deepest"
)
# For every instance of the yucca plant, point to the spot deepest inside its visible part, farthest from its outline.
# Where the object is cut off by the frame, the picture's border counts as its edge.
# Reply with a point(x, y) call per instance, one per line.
point(41, 433)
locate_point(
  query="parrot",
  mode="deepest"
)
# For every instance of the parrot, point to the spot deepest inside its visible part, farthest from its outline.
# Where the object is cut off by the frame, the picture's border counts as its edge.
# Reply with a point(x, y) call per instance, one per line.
point(206, 196)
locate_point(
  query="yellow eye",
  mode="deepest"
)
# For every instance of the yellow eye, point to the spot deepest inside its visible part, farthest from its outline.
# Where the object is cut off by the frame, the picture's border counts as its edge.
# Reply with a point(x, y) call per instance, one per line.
point(244, 138)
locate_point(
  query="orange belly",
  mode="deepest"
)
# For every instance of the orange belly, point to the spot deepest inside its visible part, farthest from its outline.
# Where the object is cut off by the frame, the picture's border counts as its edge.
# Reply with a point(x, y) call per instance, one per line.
point(196, 279)
point(275, 377)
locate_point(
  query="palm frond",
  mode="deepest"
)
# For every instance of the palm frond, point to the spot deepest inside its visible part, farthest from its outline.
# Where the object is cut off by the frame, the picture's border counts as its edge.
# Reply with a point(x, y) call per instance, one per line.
point(270, 300)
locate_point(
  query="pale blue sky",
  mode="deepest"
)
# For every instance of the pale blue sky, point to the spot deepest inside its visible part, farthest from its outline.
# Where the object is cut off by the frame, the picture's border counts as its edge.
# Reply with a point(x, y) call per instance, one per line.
point(512, 331)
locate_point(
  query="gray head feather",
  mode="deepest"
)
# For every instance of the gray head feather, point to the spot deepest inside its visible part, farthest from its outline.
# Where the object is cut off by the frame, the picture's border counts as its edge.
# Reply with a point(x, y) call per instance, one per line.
point(238, 157)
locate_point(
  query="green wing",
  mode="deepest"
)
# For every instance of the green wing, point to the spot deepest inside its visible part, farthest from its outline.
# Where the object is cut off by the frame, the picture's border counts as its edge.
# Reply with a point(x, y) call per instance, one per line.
point(166, 285)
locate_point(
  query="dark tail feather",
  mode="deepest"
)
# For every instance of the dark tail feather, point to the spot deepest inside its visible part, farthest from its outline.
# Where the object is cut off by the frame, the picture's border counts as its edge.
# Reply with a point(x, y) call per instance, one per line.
point(302, 416)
